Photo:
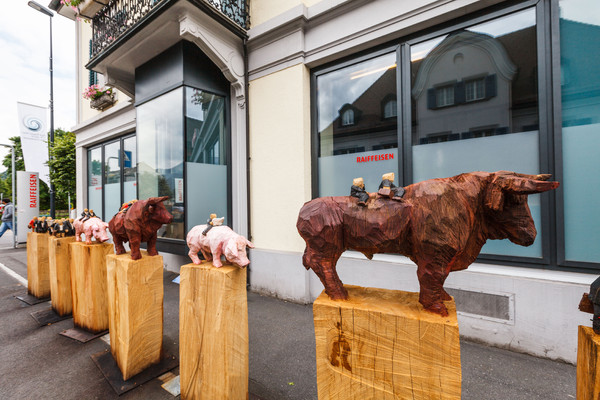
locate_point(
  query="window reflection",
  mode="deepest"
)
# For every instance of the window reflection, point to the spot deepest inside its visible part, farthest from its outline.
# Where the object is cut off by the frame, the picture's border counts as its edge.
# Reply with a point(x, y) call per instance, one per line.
point(112, 179)
point(95, 180)
point(580, 89)
point(474, 106)
point(160, 156)
point(206, 160)
point(357, 119)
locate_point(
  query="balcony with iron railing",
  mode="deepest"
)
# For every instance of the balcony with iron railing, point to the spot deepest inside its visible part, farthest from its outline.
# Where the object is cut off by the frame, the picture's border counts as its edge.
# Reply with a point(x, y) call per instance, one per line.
point(120, 17)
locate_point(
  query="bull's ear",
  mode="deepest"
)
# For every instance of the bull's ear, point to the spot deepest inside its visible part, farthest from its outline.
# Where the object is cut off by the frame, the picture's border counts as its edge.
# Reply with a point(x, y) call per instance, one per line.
point(518, 185)
point(494, 198)
point(156, 200)
point(249, 244)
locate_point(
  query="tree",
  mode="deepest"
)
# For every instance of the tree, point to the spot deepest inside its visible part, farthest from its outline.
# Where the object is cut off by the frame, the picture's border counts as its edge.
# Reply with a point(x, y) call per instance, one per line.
point(62, 168)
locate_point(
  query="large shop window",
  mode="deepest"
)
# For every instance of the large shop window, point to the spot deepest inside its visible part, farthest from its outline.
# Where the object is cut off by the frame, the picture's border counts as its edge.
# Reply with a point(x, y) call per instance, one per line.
point(357, 125)
point(111, 176)
point(183, 154)
point(474, 97)
point(160, 156)
point(580, 93)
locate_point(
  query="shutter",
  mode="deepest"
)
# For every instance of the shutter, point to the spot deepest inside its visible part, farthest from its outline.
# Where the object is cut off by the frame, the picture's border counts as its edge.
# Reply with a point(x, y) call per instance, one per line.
point(431, 99)
point(93, 76)
point(491, 89)
point(459, 92)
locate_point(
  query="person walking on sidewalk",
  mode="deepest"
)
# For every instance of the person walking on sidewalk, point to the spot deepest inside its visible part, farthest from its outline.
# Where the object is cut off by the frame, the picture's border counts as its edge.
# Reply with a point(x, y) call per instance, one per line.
point(7, 217)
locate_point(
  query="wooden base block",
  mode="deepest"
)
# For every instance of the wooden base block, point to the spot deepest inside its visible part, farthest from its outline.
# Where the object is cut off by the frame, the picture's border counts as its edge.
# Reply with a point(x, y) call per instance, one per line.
point(38, 272)
point(135, 311)
point(382, 344)
point(213, 332)
point(588, 364)
point(59, 262)
point(88, 283)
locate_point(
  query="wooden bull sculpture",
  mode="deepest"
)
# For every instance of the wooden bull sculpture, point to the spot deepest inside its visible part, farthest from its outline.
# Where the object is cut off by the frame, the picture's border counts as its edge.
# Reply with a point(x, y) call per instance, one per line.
point(441, 224)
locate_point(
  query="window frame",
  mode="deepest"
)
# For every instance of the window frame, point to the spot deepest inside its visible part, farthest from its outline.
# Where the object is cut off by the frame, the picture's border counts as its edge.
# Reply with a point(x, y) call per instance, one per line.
point(548, 75)
point(101, 146)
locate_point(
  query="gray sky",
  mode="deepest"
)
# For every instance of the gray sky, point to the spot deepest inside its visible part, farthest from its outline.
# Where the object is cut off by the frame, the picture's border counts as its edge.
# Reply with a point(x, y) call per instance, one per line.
point(24, 66)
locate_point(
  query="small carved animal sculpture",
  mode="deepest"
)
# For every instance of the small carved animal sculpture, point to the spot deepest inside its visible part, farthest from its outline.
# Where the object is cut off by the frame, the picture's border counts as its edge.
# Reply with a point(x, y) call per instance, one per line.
point(93, 227)
point(139, 224)
point(441, 224)
point(220, 240)
point(62, 228)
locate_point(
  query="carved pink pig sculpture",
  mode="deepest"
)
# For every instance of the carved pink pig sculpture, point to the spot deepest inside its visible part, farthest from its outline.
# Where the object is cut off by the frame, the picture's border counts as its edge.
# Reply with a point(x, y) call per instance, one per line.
point(220, 240)
point(93, 227)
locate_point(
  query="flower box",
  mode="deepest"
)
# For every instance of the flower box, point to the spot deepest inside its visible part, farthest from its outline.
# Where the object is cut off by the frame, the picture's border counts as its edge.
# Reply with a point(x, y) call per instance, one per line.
point(103, 102)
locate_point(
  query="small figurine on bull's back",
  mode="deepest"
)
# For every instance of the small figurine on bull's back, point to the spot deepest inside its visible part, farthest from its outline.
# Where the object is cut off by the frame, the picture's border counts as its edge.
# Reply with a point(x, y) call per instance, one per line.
point(91, 227)
point(388, 189)
point(358, 190)
point(216, 242)
point(441, 224)
point(139, 224)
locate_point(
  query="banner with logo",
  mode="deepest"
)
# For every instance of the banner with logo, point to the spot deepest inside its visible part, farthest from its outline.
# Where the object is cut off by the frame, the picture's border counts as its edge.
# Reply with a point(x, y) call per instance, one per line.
point(28, 202)
point(34, 137)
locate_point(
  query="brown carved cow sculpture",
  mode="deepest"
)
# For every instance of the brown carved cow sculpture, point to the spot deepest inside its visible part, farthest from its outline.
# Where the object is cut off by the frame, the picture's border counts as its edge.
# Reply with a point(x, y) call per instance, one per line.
point(138, 223)
point(441, 224)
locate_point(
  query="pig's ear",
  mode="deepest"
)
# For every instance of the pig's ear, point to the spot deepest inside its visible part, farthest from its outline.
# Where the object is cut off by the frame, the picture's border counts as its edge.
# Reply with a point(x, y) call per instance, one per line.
point(156, 200)
point(249, 244)
point(232, 247)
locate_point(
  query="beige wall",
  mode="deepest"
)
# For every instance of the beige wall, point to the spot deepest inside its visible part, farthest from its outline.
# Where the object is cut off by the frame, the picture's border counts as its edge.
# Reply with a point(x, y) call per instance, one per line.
point(279, 157)
point(264, 10)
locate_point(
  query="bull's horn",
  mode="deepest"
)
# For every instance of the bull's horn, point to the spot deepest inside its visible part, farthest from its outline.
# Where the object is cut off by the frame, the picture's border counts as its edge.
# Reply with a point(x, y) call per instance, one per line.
point(543, 177)
point(527, 186)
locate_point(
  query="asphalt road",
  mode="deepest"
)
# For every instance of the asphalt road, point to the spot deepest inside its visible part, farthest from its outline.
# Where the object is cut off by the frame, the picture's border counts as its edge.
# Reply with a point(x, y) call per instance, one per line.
point(38, 363)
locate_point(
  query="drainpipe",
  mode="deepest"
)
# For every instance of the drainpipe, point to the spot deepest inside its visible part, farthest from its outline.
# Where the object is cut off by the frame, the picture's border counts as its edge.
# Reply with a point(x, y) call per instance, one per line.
point(246, 85)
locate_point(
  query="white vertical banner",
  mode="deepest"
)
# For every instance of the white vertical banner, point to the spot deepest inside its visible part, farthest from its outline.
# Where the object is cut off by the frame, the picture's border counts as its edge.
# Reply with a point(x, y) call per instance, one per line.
point(34, 137)
point(28, 202)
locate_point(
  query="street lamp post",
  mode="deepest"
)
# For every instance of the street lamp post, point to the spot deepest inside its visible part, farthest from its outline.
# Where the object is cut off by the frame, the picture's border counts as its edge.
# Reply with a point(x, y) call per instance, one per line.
point(49, 13)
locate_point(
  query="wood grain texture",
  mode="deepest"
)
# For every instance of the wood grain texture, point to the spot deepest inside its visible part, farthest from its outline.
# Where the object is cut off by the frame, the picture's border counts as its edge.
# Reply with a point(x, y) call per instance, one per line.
point(213, 332)
point(88, 284)
point(588, 364)
point(135, 310)
point(441, 224)
point(38, 270)
point(59, 262)
point(382, 344)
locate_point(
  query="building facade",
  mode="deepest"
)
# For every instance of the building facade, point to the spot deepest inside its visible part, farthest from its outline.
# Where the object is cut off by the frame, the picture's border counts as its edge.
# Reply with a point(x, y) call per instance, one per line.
point(251, 108)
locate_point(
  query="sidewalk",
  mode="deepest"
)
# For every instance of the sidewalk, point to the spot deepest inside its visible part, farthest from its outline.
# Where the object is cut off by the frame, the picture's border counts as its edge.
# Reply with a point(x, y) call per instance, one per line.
point(37, 362)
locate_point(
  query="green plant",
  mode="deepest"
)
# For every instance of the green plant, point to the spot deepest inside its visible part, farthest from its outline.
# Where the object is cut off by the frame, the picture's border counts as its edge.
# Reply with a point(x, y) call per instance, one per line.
point(95, 92)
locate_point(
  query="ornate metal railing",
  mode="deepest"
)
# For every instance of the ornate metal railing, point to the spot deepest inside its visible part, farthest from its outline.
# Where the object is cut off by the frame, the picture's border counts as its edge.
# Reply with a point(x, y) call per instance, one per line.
point(120, 16)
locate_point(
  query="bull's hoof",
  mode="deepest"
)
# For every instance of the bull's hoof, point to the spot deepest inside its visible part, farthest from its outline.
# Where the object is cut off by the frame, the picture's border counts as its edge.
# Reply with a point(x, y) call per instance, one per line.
point(438, 308)
point(338, 294)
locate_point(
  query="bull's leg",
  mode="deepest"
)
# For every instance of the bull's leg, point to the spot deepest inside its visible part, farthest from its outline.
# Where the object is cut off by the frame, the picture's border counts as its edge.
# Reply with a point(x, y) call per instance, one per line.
point(152, 246)
point(119, 248)
point(325, 270)
point(134, 244)
point(432, 294)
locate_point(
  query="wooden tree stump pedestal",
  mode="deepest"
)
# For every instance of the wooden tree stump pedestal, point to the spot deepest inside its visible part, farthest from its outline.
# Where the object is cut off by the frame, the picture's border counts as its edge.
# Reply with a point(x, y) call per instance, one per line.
point(588, 364)
point(88, 283)
point(213, 332)
point(38, 271)
point(135, 311)
point(59, 262)
point(382, 344)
